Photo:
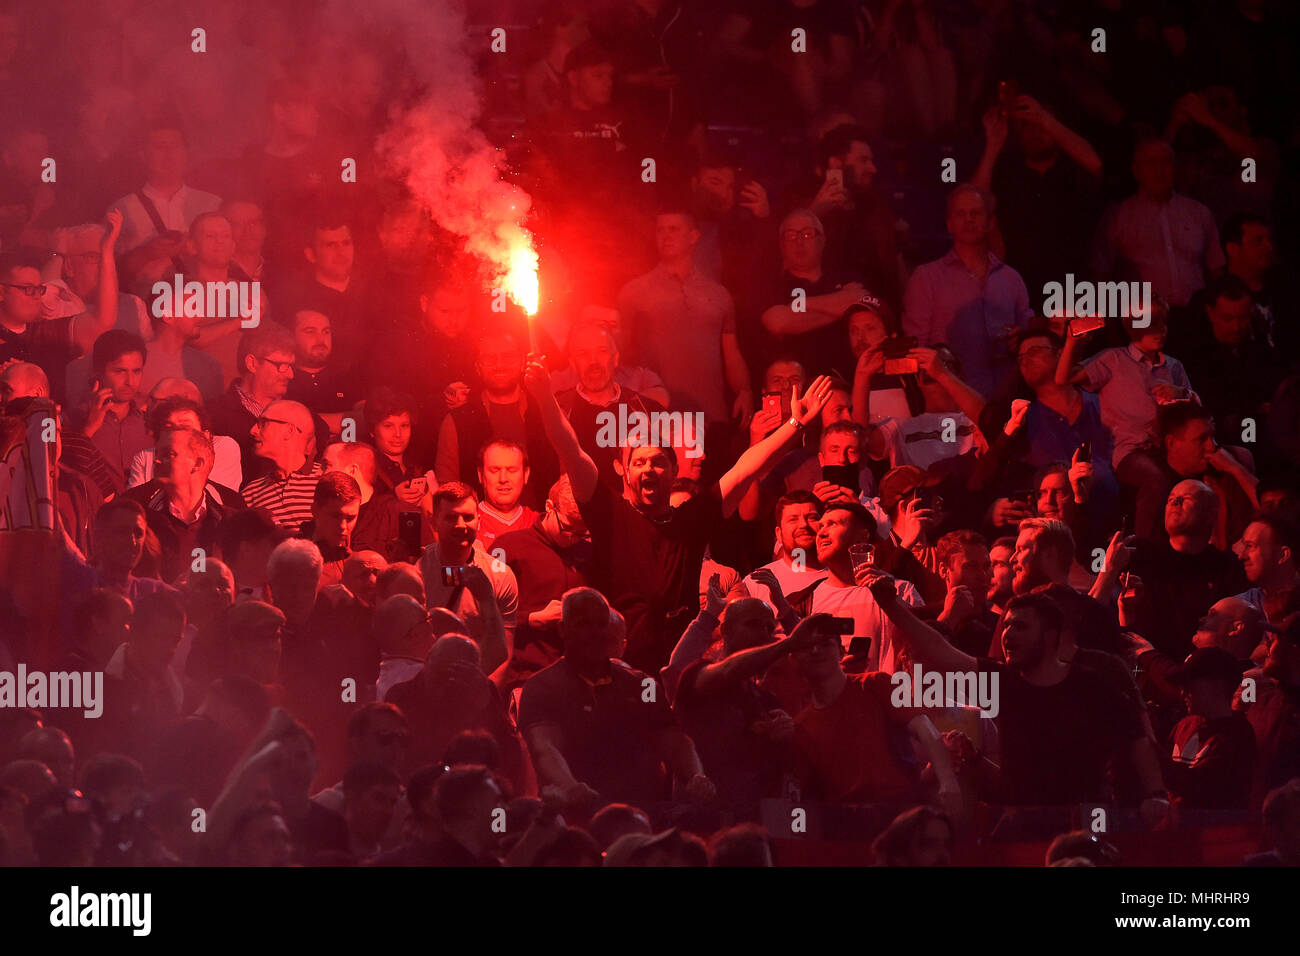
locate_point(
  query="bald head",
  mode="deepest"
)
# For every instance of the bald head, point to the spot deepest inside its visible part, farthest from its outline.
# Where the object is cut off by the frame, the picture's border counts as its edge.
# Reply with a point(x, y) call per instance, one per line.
point(1191, 511)
point(176, 388)
point(450, 650)
point(1233, 624)
point(585, 626)
point(747, 622)
point(361, 575)
point(286, 435)
point(23, 380)
point(295, 412)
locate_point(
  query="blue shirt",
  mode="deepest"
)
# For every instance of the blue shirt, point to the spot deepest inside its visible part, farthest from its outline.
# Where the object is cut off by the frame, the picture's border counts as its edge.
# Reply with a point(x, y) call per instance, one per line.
point(1053, 439)
point(1124, 378)
point(946, 302)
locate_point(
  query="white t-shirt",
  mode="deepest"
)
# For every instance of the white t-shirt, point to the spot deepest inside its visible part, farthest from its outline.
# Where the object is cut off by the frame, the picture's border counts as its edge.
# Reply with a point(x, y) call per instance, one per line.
point(504, 587)
point(788, 576)
point(920, 440)
point(868, 619)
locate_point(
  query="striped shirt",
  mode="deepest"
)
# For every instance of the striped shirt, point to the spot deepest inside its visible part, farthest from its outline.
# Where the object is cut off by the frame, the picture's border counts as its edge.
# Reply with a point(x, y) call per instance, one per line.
point(288, 499)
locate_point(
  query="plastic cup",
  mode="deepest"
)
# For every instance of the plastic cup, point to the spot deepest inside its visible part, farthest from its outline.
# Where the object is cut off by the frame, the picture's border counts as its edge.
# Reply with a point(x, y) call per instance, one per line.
point(862, 556)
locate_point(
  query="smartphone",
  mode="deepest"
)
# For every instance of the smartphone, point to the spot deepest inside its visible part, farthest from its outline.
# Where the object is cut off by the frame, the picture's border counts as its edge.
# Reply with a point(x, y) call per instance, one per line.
point(453, 577)
point(860, 647)
point(895, 351)
point(1085, 450)
point(1083, 324)
point(845, 625)
point(1126, 524)
point(420, 484)
point(772, 400)
point(1008, 93)
point(844, 475)
point(835, 177)
point(408, 530)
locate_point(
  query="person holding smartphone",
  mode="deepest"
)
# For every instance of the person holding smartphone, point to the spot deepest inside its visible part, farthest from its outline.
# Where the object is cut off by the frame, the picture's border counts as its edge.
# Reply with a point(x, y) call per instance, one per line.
point(1132, 382)
point(462, 577)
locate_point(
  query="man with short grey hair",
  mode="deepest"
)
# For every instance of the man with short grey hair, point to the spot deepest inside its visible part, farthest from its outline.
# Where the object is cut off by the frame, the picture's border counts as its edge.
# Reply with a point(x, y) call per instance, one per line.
point(969, 299)
point(807, 302)
point(182, 507)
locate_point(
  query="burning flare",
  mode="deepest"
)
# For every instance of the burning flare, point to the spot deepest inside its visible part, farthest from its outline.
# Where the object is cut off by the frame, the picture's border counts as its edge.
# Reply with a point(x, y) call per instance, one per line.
point(521, 278)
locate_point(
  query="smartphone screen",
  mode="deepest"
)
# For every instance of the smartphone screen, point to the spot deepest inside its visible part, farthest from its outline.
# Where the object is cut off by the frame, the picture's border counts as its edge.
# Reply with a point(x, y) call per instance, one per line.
point(772, 400)
point(408, 531)
point(1083, 324)
point(846, 476)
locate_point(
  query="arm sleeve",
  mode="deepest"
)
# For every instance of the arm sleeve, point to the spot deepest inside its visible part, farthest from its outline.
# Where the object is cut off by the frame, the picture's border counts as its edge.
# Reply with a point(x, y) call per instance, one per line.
point(918, 307)
point(1099, 370)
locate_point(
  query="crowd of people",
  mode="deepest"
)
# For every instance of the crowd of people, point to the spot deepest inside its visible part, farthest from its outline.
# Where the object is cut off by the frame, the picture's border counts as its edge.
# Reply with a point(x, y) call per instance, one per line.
point(376, 573)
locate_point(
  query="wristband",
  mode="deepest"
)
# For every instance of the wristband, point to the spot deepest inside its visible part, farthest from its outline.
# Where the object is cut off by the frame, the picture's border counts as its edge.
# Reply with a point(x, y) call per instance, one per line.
point(794, 420)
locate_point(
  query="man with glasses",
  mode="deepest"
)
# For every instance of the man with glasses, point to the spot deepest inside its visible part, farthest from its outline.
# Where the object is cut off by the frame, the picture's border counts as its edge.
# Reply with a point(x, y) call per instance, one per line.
point(53, 343)
point(283, 435)
point(266, 356)
point(816, 331)
point(970, 298)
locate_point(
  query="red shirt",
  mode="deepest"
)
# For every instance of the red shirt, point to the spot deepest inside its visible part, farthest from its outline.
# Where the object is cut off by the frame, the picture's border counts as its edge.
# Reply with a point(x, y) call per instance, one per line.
point(490, 524)
point(852, 750)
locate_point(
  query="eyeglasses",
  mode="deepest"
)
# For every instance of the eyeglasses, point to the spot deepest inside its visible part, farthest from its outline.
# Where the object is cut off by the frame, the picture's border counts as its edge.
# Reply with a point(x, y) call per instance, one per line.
point(790, 235)
point(32, 290)
point(1030, 351)
point(280, 367)
point(263, 421)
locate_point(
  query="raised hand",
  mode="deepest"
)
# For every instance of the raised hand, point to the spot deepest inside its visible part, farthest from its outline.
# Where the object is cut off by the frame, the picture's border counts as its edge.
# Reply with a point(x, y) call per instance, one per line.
point(806, 408)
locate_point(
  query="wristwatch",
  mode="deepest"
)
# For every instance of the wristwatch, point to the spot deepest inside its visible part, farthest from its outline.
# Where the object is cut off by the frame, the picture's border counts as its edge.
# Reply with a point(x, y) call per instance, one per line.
point(794, 420)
